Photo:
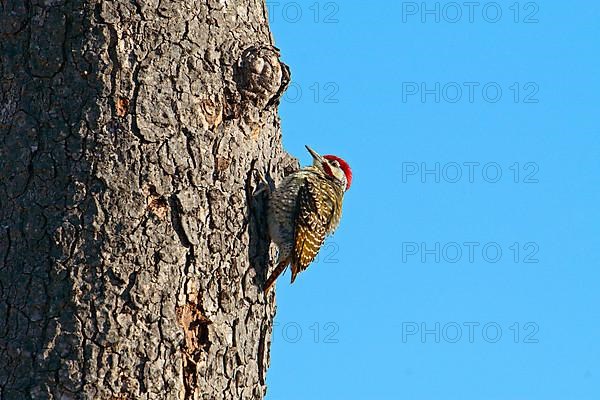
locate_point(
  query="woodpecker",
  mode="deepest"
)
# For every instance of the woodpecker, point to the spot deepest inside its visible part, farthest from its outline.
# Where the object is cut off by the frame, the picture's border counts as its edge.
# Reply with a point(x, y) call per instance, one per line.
point(304, 209)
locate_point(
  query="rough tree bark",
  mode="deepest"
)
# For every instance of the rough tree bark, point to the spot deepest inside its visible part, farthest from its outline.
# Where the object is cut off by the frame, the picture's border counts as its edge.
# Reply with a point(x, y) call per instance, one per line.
point(132, 252)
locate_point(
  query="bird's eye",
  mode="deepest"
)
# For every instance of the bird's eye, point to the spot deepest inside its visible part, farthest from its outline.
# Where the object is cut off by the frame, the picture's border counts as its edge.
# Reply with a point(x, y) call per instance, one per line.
point(335, 163)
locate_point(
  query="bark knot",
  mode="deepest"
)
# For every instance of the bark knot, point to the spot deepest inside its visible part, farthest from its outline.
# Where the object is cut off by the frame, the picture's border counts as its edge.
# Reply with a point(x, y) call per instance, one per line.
point(262, 77)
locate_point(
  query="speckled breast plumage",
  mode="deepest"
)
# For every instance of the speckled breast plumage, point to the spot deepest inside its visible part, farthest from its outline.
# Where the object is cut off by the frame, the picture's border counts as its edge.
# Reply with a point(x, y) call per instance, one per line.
point(303, 210)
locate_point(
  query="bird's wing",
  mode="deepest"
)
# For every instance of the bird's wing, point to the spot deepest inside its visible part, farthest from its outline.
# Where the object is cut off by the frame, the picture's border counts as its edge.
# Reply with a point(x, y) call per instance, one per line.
point(314, 213)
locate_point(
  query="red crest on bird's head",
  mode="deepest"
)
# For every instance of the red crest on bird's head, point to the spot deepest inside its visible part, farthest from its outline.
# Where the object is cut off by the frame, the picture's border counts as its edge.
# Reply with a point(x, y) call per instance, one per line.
point(343, 166)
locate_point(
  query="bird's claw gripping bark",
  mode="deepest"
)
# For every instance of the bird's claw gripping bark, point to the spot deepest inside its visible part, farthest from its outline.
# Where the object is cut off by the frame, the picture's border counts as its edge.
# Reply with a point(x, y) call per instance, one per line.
point(263, 186)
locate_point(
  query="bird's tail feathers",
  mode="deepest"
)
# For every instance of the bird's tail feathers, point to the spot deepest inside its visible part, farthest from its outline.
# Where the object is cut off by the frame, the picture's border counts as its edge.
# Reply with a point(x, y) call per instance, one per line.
point(275, 274)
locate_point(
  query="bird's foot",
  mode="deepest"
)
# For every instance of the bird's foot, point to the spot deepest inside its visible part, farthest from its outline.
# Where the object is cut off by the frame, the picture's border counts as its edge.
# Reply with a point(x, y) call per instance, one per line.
point(263, 186)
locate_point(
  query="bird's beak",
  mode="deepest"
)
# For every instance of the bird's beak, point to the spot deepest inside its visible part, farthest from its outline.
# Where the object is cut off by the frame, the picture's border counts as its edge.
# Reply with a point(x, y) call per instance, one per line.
point(316, 156)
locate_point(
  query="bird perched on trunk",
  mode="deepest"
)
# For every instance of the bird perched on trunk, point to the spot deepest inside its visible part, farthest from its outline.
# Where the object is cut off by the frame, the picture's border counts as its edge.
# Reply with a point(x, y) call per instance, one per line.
point(304, 209)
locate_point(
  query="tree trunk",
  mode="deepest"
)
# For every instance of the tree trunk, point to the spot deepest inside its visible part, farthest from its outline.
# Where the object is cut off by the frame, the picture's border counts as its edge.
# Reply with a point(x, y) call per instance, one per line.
point(132, 250)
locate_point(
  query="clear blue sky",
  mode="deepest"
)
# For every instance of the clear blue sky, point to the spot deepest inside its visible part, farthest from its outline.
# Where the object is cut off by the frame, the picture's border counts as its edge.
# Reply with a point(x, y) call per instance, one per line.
point(466, 265)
